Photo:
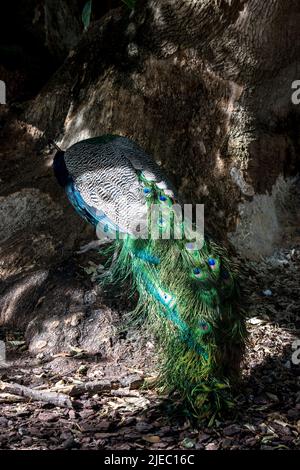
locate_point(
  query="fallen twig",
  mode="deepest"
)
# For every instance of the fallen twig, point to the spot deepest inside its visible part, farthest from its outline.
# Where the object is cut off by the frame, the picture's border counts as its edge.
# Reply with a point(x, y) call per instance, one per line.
point(57, 399)
point(133, 382)
point(91, 388)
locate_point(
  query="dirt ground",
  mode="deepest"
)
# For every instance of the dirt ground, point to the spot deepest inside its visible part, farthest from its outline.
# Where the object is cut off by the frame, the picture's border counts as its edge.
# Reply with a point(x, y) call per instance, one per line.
point(124, 416)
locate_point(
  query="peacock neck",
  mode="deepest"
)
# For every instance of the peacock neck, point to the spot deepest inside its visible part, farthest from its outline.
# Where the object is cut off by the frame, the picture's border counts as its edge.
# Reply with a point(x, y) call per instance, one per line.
point(60, 169)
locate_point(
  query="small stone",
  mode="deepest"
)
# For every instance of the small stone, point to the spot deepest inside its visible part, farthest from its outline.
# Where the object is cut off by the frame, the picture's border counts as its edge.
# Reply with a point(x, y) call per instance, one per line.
point(70, 443)
point(226, 443)
point(47, 417)
point(40, 344)
point(211, 446)
point(132, 381)
point(151, 439)
point(231, 430)
point(27, 441)
point(72, 414)
point(142, 426)
point(203, 437)
point(90, 297)
point(94, 428)
point(86, 413)
point(22, 431)
point(188, 443)
point(251, 441)
point(272, 397)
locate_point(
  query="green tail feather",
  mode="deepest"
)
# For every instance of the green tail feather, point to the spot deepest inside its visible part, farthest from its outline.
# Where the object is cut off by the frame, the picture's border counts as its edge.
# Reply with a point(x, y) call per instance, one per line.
point(191, 300)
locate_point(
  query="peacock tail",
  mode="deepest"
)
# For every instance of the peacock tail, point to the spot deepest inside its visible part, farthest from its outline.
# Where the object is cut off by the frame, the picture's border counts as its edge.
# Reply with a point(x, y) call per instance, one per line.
point(188, 291)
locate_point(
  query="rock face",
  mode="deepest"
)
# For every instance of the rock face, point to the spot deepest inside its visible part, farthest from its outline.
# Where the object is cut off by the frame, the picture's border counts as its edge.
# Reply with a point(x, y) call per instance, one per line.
point(62, 26)
point(26, 207)
point(262, 220)
point(203, 86)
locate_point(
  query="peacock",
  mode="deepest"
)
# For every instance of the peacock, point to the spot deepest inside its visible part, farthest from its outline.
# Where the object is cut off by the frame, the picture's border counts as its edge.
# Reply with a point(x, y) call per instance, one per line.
point(188, 289)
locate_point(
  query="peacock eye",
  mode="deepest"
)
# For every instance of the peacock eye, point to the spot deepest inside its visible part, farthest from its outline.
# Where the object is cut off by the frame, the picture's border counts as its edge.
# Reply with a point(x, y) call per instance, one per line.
point(203, 324)
point(211, 262)
point(197, 272)
point(162, 198)
point(147, 191)
point(167, 297)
